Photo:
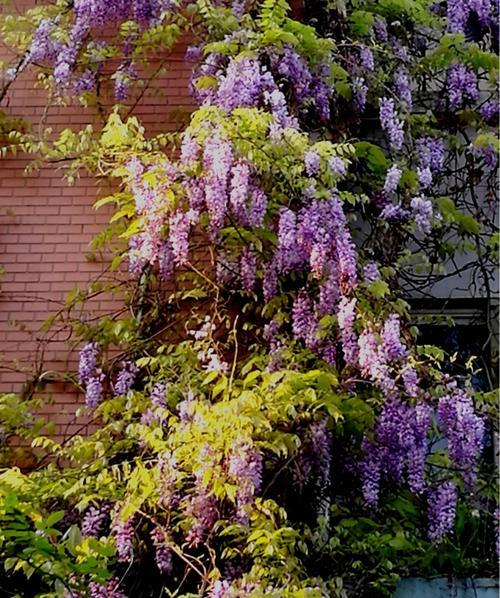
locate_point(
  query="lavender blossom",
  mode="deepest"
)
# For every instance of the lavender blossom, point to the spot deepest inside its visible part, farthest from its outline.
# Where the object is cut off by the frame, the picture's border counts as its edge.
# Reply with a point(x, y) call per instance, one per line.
point(441, 511)
point(94, 520)
point(123, 533)
point(394, 348)
point(462, 85)
point(392, 179)
point(371, 272)
point(163, 555)
point(311, 161)
point(366, 58)
point(88, 362)
point(422, 213)
point(392, 126)
point(126, 378)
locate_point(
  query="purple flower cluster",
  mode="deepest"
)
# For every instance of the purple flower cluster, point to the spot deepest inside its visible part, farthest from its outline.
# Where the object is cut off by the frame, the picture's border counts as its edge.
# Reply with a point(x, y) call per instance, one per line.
point(392, 179)
point(95, 519)
point(248, 269)
point(304, 322)
point(306, 84)
point(123, 533)
point(360, 93)
point(311, 161)
point(399, 443)
point(442, 504)
point(459, 13)
point(464, 430)
point(422, 213)
point(126, 378)
point(63, 55)
point(217, 162)
point(392, 126)
point(371, 272)
point(243, 84)
point(163, 555)
point(201, 506)
point(346, 316)
point(373, 362)
point(430, 153)
point(462, 85)
point(393, 347)
point(158, 398)
point(313, 461)
point(366, 58)
point(109, 590)
point(90, 375)
point(245, 467)
point(402, 88)
point(180, 224)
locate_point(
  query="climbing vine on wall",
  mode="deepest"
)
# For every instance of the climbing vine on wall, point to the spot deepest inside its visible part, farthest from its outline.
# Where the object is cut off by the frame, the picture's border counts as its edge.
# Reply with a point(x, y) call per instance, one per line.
point(271, 426)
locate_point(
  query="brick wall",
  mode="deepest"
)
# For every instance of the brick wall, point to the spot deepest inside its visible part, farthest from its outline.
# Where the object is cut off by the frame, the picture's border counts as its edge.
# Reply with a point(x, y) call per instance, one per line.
point(45, 230)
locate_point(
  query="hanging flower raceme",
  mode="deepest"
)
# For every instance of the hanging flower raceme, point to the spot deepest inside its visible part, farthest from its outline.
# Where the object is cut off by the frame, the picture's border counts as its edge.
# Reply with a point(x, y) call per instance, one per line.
point(90, 374)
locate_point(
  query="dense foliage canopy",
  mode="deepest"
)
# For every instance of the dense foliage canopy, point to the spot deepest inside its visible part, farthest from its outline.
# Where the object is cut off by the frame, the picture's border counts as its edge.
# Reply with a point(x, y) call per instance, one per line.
point(268, 424)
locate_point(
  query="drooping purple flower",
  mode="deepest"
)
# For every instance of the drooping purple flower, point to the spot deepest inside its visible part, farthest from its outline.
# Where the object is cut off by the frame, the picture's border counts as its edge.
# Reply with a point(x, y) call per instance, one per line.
point(108, 590)
point(245, 466)
point(88, 362)
point(180, 224)
point(464, 430)
point(380, 27)
point(248, 269)
point(243, 84)
point(303, 319)
point(257, 208)
point(217, 161)
point(123, 533)
point(360, 92)
point(462, 85)
point(430, 153)
point(95, 389)
point(166, 261)
point(311, 161)
point(94, 520)
point(366, 58)
point(392, 126)
point(328, 294)
point(370, 470)
point(410, 381)
point(393, 211)
point(402, 88)
point(392, 179)
point(424, 176)
point(373, 361)
point(190, 149)
point(418, 446)
point(126, 378)
point(422, 213)
point(371, 272)
point(442, 504)
point(337, 166)
point(158, 397)
point(124, 76)
point(240, 175)
point(346, 316)
point(287, 246)
point(489, 110)
point(193, 53)
point(394, 348)
point(163, 555)
point(42, 46)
